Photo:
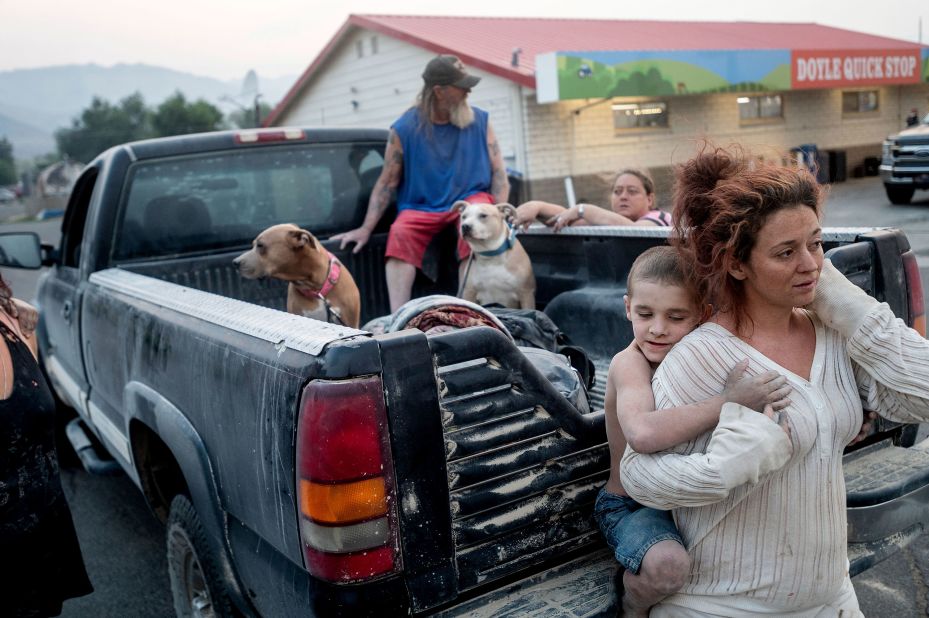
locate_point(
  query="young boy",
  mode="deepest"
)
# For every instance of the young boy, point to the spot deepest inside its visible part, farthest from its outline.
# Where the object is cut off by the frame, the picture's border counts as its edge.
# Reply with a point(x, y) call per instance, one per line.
point(662, 310)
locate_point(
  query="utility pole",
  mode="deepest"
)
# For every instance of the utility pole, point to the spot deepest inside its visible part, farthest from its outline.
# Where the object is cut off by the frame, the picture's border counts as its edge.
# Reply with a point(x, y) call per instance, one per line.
point(257, 111)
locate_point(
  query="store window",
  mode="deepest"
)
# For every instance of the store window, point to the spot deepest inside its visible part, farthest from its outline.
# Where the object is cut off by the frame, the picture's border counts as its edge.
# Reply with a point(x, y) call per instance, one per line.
point(646, 115)
point(860, 102)
point(761, 108)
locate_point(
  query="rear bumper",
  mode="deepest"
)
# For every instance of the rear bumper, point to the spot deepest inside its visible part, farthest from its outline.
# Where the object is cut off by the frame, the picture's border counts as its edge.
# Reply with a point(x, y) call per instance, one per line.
point(863, 556)
point(887, 499)
point(581, 587)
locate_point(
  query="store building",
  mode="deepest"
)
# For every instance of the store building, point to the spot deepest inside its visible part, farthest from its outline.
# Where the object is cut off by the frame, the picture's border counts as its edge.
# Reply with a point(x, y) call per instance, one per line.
point(581, 98)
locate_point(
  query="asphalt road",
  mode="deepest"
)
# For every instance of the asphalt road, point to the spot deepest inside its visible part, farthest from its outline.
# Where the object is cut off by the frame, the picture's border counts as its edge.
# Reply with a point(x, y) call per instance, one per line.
point(123, 543)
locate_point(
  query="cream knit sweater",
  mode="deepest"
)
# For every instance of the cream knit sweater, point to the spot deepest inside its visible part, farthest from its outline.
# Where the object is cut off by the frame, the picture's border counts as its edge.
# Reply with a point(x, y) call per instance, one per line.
point(764, 521)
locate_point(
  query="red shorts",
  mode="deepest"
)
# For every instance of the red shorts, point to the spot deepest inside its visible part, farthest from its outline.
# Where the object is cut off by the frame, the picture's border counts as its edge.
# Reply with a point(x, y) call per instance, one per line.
point(413, 230)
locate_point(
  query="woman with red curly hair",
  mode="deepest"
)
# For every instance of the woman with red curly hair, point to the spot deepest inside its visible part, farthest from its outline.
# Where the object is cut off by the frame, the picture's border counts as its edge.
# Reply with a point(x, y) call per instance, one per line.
point(761, 504)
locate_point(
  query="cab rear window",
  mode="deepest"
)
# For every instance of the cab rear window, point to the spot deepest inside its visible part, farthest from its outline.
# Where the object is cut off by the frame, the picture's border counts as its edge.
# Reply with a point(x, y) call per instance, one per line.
point(224, 199)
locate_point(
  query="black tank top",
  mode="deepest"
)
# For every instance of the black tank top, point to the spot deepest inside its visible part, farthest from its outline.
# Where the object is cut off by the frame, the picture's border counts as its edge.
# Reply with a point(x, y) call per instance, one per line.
point(41, 558)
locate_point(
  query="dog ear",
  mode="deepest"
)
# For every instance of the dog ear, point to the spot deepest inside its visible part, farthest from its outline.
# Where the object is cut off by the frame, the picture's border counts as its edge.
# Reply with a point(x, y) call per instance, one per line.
point(459, 206)
point(508, 211)
point(301, 238)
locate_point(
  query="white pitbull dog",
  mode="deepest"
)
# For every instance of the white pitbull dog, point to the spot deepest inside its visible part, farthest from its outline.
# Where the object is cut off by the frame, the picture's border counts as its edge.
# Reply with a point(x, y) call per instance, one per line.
point(499, 270)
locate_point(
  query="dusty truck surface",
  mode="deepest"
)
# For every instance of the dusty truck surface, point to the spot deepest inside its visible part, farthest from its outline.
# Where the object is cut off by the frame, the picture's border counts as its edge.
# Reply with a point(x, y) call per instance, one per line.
point(309, 469)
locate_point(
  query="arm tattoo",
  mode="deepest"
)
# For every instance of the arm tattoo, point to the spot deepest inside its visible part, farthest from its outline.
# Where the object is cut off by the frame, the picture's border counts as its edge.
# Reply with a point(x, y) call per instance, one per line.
point(386, 186)
point(383, 198)
point(499, 184)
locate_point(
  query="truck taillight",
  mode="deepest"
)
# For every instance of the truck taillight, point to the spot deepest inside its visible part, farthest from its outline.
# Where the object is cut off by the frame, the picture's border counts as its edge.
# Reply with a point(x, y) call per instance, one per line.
point(345, 484)
point(914, 293)
point(260, 136)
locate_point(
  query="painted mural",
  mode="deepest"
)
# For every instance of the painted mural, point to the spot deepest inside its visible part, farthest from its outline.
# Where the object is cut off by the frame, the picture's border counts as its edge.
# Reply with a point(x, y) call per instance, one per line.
point(604, 74)
point(617, 74)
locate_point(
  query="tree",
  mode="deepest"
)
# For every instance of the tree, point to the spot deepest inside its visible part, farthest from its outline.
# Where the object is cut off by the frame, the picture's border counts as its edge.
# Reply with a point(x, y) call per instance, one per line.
point(7, 165)
point(178, 117)
point(244, 117)
point(103, 125)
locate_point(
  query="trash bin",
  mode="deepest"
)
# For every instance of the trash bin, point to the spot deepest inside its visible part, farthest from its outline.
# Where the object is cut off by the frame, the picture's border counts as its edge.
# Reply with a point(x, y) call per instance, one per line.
point(823, 168)
point(838, 166)
point(871, 166)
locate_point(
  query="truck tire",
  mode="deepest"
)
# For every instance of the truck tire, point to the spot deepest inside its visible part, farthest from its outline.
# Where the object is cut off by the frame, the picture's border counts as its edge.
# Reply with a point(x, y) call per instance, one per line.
point(195, 584)
point(899, 195)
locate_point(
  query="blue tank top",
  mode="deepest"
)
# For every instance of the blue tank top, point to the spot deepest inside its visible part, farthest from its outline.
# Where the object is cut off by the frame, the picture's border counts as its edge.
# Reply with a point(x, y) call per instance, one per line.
point(439, 169)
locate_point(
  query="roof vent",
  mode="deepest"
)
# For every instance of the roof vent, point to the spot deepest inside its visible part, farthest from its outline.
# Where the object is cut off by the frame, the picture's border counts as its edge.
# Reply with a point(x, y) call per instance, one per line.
point(514, 60)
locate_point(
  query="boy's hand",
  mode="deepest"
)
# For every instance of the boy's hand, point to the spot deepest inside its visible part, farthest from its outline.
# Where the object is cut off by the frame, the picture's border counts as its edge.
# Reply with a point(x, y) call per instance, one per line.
point(778, 417)
point(756, 392)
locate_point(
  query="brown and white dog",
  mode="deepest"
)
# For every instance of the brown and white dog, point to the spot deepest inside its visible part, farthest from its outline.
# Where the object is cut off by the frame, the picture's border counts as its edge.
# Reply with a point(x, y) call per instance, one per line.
point(499, 270)
point(320, 286)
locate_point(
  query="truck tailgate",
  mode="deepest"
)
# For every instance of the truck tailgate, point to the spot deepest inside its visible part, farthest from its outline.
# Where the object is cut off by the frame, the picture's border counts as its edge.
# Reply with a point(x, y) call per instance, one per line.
point(522, 467)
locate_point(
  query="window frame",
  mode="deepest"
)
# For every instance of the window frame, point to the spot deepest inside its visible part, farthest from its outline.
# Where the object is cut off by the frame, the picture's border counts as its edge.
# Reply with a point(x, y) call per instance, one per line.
point(859, 113)
point(623, 131)
point(761, 120)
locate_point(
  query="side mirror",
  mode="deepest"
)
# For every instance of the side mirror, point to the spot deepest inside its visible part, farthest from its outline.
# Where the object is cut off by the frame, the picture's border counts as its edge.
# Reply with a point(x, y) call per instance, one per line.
point(20, 250)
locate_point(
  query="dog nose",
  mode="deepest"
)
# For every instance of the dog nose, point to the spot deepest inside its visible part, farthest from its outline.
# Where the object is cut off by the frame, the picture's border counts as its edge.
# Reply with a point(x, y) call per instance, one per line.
point(465, 229)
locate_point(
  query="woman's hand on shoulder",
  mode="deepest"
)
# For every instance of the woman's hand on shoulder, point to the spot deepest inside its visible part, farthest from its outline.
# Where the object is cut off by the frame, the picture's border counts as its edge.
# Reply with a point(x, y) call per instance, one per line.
point(839, 303)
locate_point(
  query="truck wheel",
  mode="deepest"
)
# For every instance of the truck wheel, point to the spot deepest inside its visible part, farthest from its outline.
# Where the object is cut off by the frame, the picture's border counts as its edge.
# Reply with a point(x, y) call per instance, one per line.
point(195, 585)
point(899, 195)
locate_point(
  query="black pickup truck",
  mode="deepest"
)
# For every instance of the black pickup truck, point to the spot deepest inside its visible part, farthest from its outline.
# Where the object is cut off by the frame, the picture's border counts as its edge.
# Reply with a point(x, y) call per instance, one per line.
point(304, 468)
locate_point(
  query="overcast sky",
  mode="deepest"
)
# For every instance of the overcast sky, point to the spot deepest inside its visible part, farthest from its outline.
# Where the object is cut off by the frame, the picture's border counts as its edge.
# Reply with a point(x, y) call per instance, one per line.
point(226, 38)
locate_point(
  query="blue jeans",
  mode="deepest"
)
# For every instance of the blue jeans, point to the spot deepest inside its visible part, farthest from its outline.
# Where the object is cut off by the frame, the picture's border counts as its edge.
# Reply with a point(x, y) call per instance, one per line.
point(631, 529)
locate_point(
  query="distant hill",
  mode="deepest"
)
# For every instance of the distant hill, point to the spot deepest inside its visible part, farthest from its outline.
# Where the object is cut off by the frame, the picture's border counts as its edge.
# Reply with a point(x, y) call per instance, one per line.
point(28, 141)
point(35, 102)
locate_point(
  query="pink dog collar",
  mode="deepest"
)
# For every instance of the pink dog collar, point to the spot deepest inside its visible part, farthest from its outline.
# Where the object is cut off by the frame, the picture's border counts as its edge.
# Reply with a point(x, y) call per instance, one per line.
point(332, 277)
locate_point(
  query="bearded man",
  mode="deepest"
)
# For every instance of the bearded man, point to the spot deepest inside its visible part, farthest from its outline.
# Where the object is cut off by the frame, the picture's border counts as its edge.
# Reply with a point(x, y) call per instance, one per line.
point(439, 151)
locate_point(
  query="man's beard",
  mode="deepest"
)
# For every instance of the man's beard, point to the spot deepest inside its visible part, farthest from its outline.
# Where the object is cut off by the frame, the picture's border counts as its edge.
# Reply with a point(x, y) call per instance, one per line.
point(462, 115)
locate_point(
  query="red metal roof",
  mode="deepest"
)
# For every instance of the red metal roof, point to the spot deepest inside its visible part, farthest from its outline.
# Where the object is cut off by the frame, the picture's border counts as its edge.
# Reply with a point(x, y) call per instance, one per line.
point(487, 43)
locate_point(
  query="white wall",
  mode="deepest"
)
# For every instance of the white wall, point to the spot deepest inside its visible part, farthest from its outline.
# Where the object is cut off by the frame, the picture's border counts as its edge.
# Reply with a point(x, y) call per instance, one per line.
point(385, 84)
